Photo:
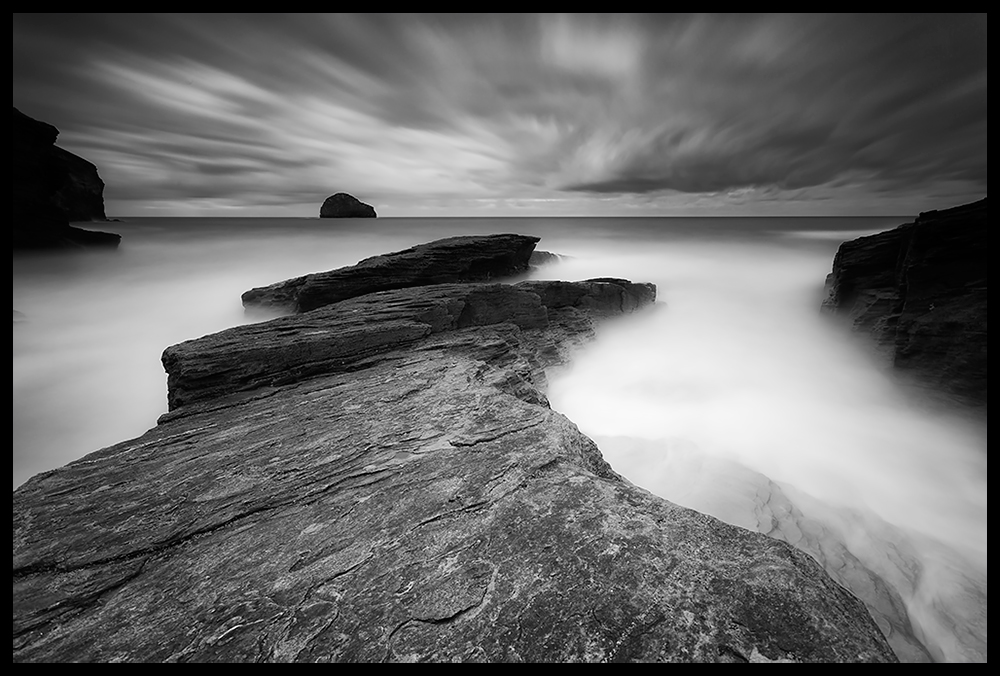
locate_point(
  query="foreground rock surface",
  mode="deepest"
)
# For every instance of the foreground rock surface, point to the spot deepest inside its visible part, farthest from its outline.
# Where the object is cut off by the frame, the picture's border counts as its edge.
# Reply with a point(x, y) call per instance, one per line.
point(52, 187)
point(920, 291)
point(343, 205)
point(415, 499)
point(455, 259)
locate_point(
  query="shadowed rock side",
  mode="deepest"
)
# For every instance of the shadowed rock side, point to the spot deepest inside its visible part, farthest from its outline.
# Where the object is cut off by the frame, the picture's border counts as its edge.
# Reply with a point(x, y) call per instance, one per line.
point(455, 259)
point(52, 187)
point(417, 501)
point(920, 291)
point(343, 205)
point(340, 337)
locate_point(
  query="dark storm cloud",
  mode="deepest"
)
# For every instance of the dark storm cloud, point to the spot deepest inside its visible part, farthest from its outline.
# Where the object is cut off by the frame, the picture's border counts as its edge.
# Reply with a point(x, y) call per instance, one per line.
point(414, 107)
point(803, 102)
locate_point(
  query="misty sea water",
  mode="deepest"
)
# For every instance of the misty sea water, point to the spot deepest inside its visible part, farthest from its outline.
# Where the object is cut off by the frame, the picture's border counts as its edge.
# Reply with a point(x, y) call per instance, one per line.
point(734, 395)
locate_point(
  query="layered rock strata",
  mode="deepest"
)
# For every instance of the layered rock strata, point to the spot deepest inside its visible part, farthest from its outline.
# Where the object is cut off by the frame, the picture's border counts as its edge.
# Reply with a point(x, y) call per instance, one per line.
point(343, 205)
point(920, 292)
point(52, 187)
point(383, 480)
point(341, 336)
point(455, 259)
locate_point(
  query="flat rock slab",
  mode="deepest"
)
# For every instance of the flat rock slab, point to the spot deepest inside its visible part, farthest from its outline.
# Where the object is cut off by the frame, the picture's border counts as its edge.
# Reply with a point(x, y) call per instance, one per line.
point(455, 259)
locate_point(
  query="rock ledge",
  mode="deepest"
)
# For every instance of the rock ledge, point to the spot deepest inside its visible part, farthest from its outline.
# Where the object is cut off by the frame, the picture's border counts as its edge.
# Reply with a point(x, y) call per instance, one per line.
point(382, 479)
point(476, 258)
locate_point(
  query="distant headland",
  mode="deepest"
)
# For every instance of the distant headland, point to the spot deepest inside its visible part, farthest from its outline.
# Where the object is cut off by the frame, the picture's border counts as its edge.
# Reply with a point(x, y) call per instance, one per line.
point(52, 187)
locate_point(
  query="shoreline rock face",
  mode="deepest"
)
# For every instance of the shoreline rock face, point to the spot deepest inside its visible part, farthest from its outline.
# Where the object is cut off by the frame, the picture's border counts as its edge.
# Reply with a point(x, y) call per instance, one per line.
point(342, 336)
point(920, 291)
point(455, 259)
point(343, 205)
point(52, 187)
point(382, 479)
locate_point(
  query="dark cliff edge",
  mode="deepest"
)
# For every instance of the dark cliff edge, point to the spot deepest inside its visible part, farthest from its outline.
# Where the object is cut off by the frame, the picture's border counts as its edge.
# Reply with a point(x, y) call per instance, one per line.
point(343, 205)
point(919, 291)
point(52, 187)
point(382, 479)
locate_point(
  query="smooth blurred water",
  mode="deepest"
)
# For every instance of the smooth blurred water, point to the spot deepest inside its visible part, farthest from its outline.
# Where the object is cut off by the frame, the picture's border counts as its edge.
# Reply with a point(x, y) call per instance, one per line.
point(734, 395)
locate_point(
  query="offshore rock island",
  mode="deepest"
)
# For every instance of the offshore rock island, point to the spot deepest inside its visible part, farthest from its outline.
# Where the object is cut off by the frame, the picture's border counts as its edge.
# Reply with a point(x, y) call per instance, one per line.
point(380, 478)
point(343, 205)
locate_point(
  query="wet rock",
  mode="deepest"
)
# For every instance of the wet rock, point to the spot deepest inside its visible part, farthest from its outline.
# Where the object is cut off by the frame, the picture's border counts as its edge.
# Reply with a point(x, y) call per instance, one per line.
point(920, 292)
point(455, 259)
point(540, 258)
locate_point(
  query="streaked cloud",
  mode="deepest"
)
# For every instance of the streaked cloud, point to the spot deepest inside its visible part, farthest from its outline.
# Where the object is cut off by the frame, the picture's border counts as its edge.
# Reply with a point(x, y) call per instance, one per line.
point(579, 113)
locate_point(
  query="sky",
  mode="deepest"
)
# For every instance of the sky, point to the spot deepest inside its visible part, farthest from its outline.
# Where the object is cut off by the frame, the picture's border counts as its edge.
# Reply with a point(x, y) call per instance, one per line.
point(515, 115)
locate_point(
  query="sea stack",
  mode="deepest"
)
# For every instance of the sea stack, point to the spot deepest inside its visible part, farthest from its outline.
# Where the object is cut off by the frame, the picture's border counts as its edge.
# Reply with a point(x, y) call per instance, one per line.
point(343, 205)
point(52, 187)
point(919, 290)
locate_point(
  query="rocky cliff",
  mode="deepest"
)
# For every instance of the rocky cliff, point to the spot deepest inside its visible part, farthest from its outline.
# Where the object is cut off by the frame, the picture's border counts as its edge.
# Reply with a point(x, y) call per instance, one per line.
point(51, 188)
point(343, 205)
point(382, 479)
point(920, 292)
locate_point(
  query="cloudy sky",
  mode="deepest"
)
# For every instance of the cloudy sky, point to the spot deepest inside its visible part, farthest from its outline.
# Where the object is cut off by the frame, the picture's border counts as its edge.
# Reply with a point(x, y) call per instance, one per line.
point(515, 114)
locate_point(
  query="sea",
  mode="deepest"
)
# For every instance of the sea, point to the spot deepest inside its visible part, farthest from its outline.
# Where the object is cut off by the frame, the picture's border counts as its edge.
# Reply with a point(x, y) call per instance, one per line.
point(734, 395)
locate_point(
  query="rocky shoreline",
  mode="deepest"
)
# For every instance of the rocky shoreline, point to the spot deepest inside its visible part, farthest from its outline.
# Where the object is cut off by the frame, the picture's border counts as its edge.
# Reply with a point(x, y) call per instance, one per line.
point(380, 478)
point(919, 290)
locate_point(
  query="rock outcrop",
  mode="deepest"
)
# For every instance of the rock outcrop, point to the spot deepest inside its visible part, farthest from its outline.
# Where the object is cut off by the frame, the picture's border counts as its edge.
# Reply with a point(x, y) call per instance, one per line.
point(455, 259)
point(343, 205)
point(343, 335)
point(920, 292)
point(541, 258)
point(382, 479)
point(51, 188)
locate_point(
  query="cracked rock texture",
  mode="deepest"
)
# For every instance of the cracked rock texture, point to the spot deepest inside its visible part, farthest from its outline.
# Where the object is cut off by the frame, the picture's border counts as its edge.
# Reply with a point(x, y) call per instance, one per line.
point(920, 291)
point(385, 481)
point(473, 258)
